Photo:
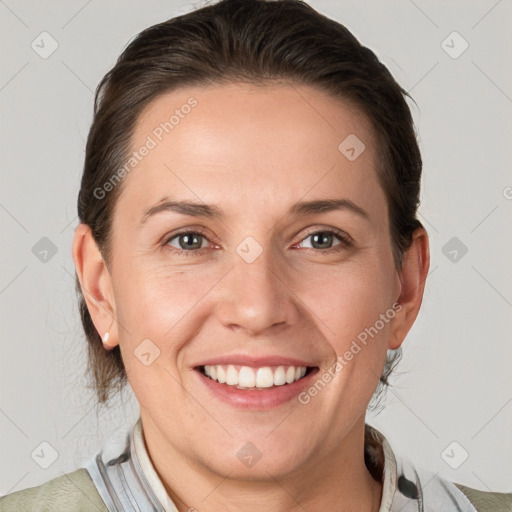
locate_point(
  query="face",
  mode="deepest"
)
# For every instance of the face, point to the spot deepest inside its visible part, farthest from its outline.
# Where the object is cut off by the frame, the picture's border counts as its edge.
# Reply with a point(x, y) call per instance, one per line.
point(283, 260)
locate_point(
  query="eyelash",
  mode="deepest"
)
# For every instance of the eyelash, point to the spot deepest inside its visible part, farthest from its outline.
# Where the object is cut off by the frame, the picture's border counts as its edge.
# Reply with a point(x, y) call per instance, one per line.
point(345, 241)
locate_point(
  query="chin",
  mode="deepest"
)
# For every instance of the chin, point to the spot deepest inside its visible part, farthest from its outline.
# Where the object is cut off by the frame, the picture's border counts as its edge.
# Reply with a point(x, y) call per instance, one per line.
point(257, 460)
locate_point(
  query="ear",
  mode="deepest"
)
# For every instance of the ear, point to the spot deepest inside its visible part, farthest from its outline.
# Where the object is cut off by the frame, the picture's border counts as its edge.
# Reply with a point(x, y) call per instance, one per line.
point(96, 284)
point(412, 277)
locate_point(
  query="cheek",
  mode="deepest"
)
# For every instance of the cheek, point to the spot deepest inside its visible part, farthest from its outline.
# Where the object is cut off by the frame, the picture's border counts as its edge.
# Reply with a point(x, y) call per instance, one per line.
point(349, 300)
point(358, 312)
point(154, 298)
point(154, 308)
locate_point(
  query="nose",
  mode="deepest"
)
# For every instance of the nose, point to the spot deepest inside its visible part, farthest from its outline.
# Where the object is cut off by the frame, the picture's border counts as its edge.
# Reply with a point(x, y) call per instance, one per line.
point(257, 296)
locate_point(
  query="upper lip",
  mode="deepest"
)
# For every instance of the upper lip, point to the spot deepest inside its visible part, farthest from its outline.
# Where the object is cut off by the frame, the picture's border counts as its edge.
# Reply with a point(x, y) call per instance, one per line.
point(254, 361)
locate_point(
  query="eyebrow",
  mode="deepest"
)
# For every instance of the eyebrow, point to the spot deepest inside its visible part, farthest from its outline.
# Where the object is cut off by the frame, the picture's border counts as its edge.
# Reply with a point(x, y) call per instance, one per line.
point(302, 208)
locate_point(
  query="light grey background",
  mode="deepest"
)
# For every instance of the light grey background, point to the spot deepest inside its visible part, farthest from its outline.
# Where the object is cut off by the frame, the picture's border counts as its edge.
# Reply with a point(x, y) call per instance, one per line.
point(455, 379)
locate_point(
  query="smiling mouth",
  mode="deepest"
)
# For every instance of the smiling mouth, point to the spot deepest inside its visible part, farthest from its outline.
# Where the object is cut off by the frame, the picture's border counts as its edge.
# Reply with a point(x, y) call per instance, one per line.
point(249, 378)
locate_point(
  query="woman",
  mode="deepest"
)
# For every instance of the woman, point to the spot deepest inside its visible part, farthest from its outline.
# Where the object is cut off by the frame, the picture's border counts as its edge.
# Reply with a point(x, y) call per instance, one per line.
point(248, 255)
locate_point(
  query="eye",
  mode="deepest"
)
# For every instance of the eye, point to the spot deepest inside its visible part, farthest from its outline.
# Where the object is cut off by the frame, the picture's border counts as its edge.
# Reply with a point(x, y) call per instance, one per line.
point(323, 240)
point(190, 242)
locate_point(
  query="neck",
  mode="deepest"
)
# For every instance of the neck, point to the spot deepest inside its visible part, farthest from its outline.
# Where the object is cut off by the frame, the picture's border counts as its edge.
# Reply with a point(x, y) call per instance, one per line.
point(340, 481)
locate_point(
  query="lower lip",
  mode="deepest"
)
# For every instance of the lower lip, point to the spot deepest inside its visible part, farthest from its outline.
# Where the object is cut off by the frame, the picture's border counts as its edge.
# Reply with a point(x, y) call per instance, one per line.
point(267, 398)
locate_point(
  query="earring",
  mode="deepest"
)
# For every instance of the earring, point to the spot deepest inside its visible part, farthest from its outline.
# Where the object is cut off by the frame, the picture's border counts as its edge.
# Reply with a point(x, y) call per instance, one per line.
point(106, 336)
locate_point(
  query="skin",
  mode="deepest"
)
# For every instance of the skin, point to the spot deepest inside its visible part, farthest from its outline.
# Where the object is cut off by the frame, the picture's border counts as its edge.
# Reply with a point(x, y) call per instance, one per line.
point(254, 152)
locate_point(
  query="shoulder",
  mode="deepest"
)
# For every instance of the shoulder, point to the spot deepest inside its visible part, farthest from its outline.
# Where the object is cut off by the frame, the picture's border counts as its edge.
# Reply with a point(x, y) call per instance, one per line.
point(487, 501)
point(75, 490)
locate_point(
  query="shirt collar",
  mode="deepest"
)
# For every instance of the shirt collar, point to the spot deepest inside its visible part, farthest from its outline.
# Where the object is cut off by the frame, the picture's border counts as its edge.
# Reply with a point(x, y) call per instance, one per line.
point(381, 463)
point(149, 470)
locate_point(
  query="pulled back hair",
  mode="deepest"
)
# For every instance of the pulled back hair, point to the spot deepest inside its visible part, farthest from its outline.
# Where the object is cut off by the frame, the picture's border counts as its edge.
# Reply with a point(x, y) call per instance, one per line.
point(257, 42)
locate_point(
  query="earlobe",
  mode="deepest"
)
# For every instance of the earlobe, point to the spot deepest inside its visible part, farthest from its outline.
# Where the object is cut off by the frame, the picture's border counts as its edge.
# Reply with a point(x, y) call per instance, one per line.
point(413, 274)
point(108, 342)
point(96, 283)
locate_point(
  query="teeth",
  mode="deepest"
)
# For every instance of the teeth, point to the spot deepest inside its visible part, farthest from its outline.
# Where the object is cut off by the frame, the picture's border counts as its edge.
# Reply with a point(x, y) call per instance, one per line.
point(231, 376)
point(264, 377)
point(290, 374)
point(245, 377)
point(279, 376)
point(221, 374)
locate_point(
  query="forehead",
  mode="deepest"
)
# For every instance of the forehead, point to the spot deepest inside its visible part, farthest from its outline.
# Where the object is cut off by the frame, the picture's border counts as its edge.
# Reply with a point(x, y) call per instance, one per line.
point(256, 140)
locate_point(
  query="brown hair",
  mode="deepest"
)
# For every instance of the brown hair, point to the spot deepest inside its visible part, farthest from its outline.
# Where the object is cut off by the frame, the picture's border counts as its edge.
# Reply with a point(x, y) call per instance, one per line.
point(253, 41)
